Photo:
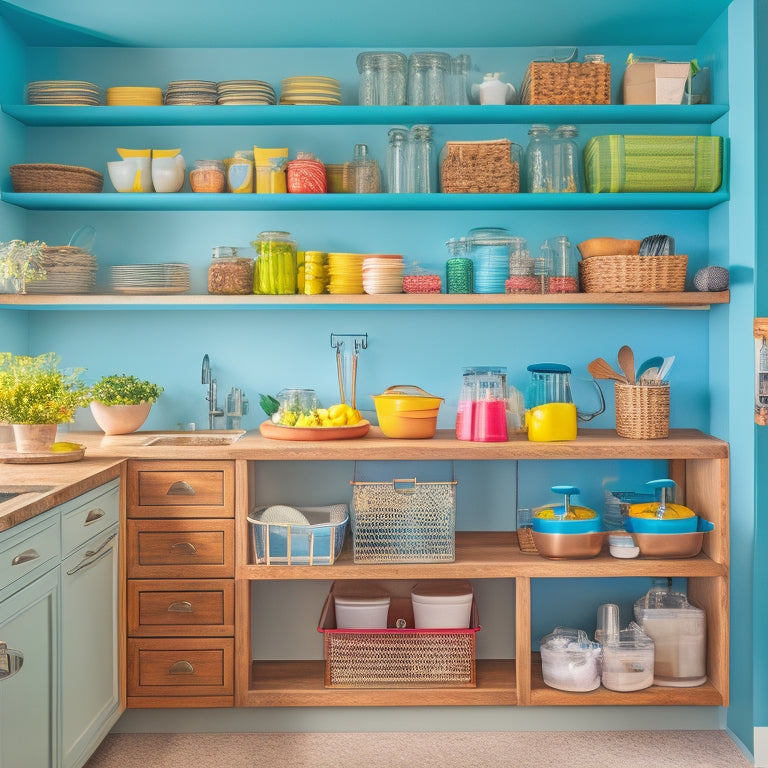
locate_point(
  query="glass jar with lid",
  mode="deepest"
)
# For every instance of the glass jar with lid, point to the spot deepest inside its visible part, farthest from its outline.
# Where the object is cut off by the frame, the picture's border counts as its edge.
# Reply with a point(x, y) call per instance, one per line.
point(207, 176)
point(397, 165)
point(229, 272)
point(276, 264)
point(539, 160)
point(488, 247)
point(364, 171)
point(423, 169)
point(427, 74)
point(566, 172)
point(562, 267)
point(382, 78)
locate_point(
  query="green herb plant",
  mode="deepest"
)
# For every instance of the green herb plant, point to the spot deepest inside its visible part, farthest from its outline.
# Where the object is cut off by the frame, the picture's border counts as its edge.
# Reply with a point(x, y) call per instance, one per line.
point(123, 389)
point(34, 390)
point(22, 261)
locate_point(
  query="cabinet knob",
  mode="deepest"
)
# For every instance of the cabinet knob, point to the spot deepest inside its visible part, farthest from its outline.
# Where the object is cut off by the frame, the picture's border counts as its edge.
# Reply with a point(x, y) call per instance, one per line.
point(182, 606)
point(185, 547)
point(181, 488)
point(181, 668)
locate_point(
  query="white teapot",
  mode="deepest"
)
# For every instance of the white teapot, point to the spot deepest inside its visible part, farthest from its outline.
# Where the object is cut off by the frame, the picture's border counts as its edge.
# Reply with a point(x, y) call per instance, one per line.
point(494, 91)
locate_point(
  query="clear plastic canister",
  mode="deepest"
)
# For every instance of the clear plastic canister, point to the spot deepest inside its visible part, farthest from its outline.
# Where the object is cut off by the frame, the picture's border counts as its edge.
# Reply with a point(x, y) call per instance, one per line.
point(276, 263)
point(488, 247)
point(207, 176)
point(230, 273)
point(628, 660)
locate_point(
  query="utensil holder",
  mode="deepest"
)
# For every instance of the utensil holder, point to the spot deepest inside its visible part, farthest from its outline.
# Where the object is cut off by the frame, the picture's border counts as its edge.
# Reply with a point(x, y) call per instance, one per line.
point(642, 410)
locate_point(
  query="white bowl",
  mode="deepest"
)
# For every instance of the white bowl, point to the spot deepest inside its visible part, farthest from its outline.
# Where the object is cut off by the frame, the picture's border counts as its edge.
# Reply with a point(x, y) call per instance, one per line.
point(134, 174)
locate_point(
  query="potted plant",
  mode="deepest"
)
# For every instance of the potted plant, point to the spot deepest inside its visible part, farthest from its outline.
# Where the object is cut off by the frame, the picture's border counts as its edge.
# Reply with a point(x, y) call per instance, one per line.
point(36, 396)
point(120, 403)
point(21, 263)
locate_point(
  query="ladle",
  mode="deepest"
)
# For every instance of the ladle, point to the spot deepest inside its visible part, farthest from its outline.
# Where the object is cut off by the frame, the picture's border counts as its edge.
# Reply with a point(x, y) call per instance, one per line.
point(627, 363)
point(600, 368)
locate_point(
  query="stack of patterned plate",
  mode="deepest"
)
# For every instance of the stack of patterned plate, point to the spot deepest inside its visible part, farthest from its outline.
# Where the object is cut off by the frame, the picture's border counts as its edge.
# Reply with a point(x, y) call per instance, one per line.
point(246, 92)
point(310, 90)
point(150, 278)
point(383, 274)
point(191, 92)
point(345, 272)
point(134, 96)
point(63, 92)
point(67, 270)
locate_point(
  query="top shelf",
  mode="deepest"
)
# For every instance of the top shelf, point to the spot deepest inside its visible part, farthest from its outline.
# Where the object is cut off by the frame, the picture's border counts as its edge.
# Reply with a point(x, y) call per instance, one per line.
point(61, 116)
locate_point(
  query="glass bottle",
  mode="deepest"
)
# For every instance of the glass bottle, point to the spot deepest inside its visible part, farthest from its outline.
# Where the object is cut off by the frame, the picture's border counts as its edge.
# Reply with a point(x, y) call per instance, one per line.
point(364, 171)
point(567, 167)
point(398, 173)
point(458, 91)
point(539, 160)
point(423, 170)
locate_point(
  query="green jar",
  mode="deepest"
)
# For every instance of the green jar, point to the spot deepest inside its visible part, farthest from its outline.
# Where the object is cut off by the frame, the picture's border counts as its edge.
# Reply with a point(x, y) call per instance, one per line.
point(276, 263)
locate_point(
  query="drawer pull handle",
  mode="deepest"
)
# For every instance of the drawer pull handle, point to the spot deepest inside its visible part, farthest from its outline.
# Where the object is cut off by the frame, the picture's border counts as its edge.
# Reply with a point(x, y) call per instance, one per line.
point(94, 515)
point(181, 668)
point(25, 557)
point(182, 606)
point(93, 555)
point(181, 488)
point(187, 547)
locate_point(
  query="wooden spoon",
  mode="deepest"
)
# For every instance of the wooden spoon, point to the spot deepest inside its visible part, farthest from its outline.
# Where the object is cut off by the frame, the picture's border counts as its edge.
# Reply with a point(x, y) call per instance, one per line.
point(602, 369)
point(627, 363)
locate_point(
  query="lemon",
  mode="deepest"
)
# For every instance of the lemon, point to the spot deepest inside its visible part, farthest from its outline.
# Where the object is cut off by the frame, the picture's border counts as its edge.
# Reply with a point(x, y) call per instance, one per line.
point(339, 409)
point(353, 417)
point(65, 447)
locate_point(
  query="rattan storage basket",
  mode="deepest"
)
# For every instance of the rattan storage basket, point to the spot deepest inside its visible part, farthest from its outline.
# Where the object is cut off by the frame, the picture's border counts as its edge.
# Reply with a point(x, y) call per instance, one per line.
point(633, 274)
point(573, 82)
point(480, 166)
point(49, 177)
point(642, 410)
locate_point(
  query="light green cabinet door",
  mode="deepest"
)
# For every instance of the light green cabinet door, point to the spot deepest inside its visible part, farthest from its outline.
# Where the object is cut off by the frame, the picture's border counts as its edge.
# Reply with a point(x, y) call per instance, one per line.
point(28, 700)
point(90, 694)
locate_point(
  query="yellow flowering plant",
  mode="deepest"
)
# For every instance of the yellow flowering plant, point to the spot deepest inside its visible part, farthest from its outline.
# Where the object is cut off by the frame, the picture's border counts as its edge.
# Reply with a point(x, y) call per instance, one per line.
point(34, 390)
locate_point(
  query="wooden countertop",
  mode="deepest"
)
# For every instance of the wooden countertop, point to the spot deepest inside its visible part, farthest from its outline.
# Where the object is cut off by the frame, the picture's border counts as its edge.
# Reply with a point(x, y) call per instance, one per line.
point(105, 455)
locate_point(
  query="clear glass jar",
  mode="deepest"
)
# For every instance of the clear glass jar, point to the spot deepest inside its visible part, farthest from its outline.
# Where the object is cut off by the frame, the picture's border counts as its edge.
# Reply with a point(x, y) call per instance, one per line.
point(539, 160)
point(382, 78)
point(567, 172)
point(458, 82)
point(427, 74)
point(230, 273)
point(422, 167)
point(276, 263)
point(397, 171)
point(488, 247)
point(208, 176)
point(364, 171)
point(562, 268)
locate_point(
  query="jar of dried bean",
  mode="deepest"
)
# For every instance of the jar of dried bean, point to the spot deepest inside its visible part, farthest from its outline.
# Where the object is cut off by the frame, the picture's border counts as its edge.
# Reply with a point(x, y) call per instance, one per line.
point(230, 273)
point(208, 176)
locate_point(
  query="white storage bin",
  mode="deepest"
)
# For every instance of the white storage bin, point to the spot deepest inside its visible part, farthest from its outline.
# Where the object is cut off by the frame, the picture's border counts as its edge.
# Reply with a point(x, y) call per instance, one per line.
point(570, 661)
point(442, 604)
point(365, 610)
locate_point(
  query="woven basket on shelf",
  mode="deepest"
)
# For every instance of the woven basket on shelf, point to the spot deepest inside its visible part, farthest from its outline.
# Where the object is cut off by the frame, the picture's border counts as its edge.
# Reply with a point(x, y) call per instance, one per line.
point(633, 274)
point(642, 410)
point(479, 166)
point(50, 177)
point(573, 82)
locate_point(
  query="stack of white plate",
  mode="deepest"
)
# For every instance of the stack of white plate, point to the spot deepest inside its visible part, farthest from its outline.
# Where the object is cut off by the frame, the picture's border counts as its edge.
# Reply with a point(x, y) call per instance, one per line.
point(63, 92)
point(310, 89)
point(245, 92)
point(191, 92)
point(134, 96)
point(150, 278)
point(383, 273)
point(67, 270)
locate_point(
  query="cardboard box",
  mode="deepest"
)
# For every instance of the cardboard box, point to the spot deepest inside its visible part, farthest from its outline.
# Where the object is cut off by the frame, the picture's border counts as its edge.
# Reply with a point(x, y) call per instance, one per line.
point(648, 82)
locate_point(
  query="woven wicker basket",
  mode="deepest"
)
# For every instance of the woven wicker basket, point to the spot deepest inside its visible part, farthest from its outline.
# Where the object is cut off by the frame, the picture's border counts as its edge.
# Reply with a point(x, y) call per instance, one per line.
point(480, 166)
point(572, 82)
point(49, 177)
point(642, 410)
point(633, 274)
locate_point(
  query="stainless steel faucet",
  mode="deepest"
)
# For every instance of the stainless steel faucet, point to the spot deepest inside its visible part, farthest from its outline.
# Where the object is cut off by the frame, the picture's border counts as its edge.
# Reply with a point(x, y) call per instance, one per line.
point(212, 396)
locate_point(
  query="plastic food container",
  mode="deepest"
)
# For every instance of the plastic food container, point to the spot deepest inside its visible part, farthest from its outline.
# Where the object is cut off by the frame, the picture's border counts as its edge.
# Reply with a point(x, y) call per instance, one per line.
point(628, 660)
point(673, 544)
point(622, 545)
point(442, 604)
point(406, 411)
point(362, 610)
point(679, 632)
point(276, 259)
point(570, 661)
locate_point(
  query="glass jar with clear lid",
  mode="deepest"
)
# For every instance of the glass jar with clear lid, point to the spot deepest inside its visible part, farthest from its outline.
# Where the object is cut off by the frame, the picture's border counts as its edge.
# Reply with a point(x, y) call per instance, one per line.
point(423, 169)
point(539, 160)
point(208, 176)
point(566, 172)
point(276, 264)
point(382, 78)
point(488, 247)
point(229, 272)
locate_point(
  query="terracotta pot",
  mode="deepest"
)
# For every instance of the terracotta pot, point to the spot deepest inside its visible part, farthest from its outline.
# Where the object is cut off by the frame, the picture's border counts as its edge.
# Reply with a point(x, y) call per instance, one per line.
point(34, 438)
point(7, 440)
point(119, 419)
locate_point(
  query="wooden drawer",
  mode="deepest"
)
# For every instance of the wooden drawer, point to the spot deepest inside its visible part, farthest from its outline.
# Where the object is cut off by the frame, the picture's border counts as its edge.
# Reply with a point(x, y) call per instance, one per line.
point(177, 549)
point(181, 607)
point(180, 667)
point(181, 489)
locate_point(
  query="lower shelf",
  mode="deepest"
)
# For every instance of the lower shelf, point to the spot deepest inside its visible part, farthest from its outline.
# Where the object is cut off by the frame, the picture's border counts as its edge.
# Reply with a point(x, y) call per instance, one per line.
point(301, 683)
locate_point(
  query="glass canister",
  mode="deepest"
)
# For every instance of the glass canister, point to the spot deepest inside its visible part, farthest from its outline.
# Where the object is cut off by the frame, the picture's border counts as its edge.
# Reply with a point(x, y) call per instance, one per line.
point(364, 171)
point(562, 269)
point(276, 263)
point(539, 160)
point(398, 166)
point(459, 270)
point(567, 170)
point(382, 78)
point(427, 74)
point(423, 170)
point(458, 81)
point(229, 273)
point(488, 247)
point(523, 274)
point(207, 176)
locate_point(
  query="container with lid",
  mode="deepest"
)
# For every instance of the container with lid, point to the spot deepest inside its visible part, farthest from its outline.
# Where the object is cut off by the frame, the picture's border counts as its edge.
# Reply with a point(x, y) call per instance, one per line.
point(361, 608)
point(240, 172)
point(207, 176)
point(628, 660)
point(422, 168)
point(442, 604)
point(229, 272)
point(570, 661)
point(407, 411)
point(398, 177)
point(567, 172)
point(679, 632)
point(488, 247)
point(539, 160)
point(382, 78)
point(427, 75)
point(364, 171)
point(276, 263)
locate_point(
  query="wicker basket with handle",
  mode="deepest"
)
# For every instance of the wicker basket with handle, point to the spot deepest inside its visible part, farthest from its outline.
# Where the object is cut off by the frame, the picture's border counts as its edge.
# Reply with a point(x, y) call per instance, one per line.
point(572, 82)
point(633, 274)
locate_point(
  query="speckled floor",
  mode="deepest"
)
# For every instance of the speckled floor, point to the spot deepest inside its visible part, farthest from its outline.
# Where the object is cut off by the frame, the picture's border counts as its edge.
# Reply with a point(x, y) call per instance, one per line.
point(539, 749)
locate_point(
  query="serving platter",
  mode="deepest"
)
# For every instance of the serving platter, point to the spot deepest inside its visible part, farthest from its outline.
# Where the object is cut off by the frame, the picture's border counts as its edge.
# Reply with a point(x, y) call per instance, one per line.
point(282, 432)
point(43, 457)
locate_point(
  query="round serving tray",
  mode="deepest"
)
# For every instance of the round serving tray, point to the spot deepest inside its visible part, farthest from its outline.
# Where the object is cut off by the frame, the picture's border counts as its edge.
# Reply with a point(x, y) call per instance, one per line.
point(44, 457)
point(281, 432)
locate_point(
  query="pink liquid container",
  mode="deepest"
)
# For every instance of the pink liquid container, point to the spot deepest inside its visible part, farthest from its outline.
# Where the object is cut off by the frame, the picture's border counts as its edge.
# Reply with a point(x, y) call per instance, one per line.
point(482, 410)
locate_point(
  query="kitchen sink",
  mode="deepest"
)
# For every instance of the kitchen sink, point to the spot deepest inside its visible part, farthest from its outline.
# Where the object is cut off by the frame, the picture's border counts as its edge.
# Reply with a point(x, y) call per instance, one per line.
point(195, 438)
point(8, 492)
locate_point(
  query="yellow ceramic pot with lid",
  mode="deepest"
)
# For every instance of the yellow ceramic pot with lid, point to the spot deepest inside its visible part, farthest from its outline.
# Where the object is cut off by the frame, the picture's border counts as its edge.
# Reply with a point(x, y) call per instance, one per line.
point(407, 411)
